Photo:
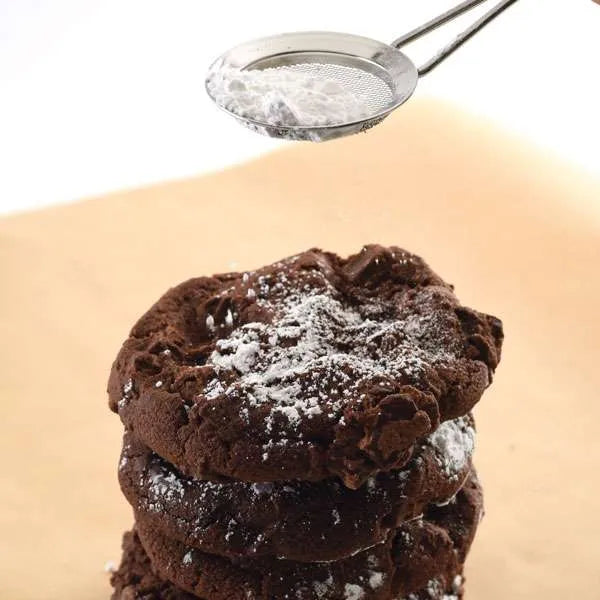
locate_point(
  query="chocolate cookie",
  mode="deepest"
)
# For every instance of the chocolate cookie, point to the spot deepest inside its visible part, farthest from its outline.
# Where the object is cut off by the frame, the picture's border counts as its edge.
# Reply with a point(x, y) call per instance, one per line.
point(312, 367)
point(432, 547)
point(301, 521)
point(136, 580)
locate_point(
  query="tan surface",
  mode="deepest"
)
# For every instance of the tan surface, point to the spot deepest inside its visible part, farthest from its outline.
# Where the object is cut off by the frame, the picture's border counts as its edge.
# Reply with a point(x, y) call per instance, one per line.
point(516, 232)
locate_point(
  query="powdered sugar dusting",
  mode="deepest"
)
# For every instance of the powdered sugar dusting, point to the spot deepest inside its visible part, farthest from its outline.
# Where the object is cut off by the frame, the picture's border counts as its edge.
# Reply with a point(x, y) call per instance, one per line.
point(319, 350)
point(210, 323)
point(457, 584)
point(164, 487)
point(110, 566)
point(376, 579)
point(126, 393)
point(353, 592)
point(322, 588)
point(435, 590)
point(454, 442)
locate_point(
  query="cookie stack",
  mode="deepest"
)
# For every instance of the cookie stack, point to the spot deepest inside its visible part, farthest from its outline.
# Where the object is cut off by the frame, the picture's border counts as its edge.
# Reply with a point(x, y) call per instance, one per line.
point(303, 432)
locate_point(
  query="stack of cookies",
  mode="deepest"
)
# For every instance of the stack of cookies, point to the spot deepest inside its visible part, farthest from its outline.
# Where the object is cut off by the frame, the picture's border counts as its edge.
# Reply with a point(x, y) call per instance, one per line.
point(303, 432)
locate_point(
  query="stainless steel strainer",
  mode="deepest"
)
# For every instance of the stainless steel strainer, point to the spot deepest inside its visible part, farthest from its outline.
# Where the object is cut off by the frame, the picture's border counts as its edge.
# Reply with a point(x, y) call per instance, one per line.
point(378, 74)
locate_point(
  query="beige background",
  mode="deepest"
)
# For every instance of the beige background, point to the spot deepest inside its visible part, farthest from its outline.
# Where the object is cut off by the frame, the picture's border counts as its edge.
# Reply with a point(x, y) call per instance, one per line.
point(517, 232)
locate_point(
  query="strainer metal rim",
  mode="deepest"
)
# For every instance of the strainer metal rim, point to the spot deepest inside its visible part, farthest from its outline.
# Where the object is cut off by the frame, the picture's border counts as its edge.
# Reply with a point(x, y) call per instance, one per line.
point(376, 117)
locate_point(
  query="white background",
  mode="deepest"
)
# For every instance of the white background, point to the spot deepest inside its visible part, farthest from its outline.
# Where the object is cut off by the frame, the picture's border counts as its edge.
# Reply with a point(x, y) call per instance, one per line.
point(101, 95)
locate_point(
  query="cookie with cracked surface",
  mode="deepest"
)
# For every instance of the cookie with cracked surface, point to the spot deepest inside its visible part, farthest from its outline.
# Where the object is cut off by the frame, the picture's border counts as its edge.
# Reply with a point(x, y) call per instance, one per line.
point(135, 579)
point(301, 521)
point(433, 547)
point(315, 366)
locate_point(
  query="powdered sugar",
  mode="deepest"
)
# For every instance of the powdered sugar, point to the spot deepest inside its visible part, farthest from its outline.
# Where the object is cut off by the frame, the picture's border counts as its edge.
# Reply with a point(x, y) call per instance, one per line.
point(110, 566)
point(376, 579)
point(286, 96)
point(454, 442)
point(126, 393)
point(318, 351)
point(435, 591)
point(322, 588)
point(243, 354)
point(353, 592)
point(165, 486)
point(210, 323)
point(262, 489)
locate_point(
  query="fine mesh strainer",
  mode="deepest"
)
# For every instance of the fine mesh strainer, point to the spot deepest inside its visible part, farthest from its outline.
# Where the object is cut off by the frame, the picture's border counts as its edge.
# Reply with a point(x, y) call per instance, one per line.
point(379, 75)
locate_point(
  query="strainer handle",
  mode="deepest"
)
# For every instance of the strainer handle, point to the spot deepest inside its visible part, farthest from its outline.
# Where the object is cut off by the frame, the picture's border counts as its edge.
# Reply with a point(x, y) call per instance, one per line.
point(460, 39)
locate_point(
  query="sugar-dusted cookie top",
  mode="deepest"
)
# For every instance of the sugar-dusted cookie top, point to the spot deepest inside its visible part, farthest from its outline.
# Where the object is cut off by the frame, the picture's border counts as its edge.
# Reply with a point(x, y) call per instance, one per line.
point(311, 367)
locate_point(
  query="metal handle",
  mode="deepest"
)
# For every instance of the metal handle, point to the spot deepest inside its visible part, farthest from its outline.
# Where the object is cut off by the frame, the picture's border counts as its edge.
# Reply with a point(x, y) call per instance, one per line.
point(460, 39)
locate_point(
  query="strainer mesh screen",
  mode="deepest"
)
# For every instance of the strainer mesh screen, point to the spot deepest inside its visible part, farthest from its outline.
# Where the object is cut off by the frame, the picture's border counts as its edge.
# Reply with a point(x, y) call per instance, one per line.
point(373, 91)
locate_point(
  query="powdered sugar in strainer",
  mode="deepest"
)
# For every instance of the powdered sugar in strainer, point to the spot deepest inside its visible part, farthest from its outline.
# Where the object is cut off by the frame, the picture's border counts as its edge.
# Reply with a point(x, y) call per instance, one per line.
point(319, 85)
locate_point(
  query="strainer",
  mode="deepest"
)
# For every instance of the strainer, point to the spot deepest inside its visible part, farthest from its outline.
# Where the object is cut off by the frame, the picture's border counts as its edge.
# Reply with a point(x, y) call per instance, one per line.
point(379, 75)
